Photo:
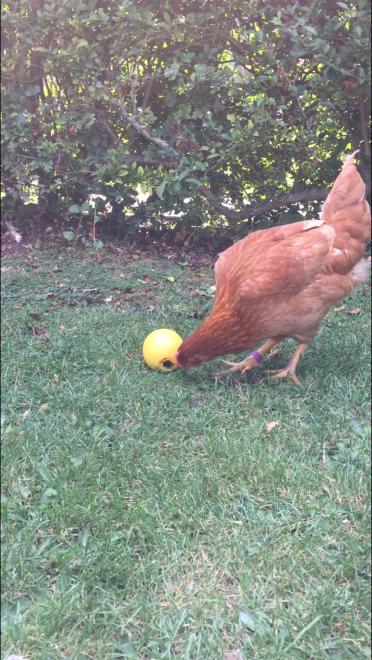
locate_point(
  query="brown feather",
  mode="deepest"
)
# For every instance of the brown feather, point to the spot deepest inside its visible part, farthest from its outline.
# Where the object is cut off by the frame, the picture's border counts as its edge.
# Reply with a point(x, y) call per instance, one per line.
point(281, 282)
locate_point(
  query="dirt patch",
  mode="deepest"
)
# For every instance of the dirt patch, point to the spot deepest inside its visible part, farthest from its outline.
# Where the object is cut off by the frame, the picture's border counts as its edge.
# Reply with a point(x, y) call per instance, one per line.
point(9, 248)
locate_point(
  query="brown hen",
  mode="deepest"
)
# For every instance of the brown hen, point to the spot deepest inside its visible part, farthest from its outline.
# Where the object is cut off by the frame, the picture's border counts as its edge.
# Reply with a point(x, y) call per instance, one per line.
point(281, 282)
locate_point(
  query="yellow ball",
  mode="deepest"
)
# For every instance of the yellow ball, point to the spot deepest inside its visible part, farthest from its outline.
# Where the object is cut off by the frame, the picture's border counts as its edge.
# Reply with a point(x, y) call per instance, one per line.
point(159, 349)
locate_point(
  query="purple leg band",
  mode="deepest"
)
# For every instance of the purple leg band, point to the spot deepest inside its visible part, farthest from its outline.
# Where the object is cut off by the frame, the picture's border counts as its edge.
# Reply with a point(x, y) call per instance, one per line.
point(257, 356)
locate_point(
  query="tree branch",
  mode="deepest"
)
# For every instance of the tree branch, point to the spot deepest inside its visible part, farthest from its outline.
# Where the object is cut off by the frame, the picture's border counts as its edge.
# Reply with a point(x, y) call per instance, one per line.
point(167, 164)
point(363, 121)
point(264, 207)
point(108, 128)
point(147, 94)
point(269, 205)
point(141, 129)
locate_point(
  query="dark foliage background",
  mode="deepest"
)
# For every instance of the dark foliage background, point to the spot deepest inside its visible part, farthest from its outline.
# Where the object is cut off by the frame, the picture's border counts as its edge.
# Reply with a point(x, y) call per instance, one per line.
point(195, 116)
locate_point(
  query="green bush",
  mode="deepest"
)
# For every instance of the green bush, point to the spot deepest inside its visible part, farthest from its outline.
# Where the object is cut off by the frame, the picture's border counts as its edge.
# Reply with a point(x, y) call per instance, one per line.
point(192, 115)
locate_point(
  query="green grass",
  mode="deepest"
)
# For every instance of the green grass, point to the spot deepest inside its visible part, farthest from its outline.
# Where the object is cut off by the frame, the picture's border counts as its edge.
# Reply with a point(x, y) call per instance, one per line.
point(153, 516)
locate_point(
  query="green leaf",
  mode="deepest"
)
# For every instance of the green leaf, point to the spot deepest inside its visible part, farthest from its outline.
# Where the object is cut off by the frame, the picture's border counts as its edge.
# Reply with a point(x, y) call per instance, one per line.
point(309, 28)
point(98, 245)
point(75, 208)
point(246, 618)
point(49, 493)
point(82, 43)
point(198, 183)
point(24, 491)
point(160, 189)
point(69, 235)
point(183, 174)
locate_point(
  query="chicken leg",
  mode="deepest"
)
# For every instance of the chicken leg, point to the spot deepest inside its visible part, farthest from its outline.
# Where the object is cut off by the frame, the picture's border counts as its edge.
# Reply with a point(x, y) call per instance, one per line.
point(290, 369)
point(250, 362)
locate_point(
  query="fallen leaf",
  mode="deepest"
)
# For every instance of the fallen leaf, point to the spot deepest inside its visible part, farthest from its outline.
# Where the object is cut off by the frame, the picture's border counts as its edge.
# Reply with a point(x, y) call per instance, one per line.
point(195, 400)
point(135, 256)
point(37, 317)
point(55, 377)
point(116, 303)
point(170, 279)
point(233, 655)
point(50, 295)
point(357, 310)
point(146, 278)
point(107, 300)
point(36, 331)
point(26, 414)
point(150, 308)
point(240, 634)
point(271, 425)
point(274, 353)
point(338, 309)
point(56, 281)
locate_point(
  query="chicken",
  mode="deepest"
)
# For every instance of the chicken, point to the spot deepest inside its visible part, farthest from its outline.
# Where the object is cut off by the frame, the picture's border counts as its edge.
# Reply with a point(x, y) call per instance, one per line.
point(281, 282)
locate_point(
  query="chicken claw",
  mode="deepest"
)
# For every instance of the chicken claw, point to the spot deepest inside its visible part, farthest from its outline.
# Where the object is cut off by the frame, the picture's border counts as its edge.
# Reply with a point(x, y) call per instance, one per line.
point(249, 362)
point(290, 370)
point(284, 373)
point(245, 365)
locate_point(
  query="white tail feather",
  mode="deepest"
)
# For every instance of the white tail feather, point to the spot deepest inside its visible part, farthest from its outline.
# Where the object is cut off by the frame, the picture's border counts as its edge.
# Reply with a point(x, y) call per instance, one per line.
point(360, 271)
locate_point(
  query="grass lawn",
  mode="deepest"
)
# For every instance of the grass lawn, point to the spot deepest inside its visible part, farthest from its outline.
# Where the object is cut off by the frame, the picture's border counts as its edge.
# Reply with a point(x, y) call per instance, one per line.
point(154, 516)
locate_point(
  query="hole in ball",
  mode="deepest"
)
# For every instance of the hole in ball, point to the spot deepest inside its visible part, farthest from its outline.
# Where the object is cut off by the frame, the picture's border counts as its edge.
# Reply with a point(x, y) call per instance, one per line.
point(167, 364)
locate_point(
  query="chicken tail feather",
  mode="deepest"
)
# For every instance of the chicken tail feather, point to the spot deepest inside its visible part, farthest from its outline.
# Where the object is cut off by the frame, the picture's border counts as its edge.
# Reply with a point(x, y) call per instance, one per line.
point(349, 189)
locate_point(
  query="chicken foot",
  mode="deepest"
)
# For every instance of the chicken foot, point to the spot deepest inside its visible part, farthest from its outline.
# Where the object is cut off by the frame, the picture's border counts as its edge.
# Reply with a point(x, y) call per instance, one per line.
point(249, 362)
point(290, 369)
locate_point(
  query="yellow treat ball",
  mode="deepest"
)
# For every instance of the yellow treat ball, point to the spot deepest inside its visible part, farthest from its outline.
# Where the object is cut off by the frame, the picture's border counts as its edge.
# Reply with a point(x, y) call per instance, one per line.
point(159, 349)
